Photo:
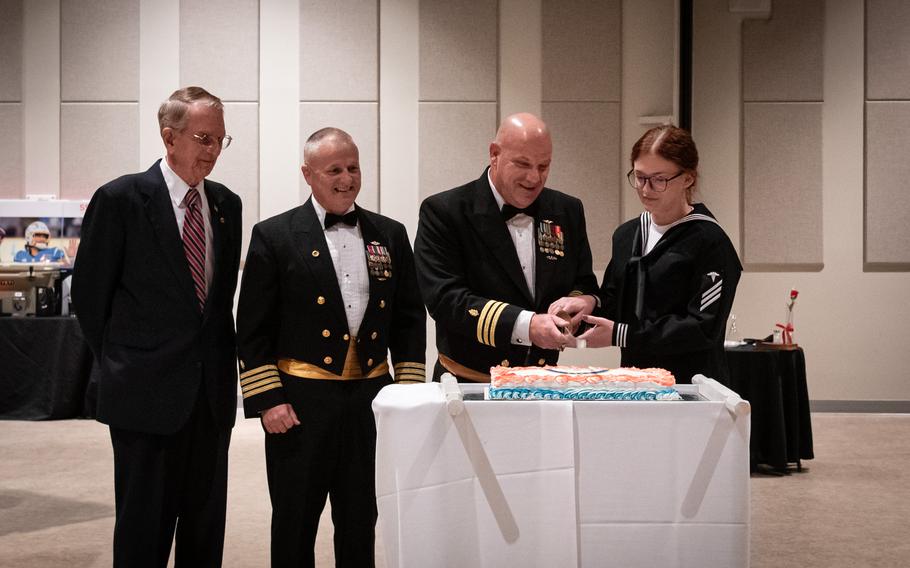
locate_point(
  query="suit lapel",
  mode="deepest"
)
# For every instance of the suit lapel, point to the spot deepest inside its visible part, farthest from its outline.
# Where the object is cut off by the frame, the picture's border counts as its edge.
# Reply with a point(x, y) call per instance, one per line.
point(379, 285)
point(492, 229)
point(160, 212)
point(313, 252)
point(218, 222)
point(546, 258)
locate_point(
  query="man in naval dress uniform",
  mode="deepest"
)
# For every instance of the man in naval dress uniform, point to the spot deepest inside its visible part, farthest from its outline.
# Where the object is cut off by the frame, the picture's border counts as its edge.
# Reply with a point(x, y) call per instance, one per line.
point(493, 254)
point(328, 290)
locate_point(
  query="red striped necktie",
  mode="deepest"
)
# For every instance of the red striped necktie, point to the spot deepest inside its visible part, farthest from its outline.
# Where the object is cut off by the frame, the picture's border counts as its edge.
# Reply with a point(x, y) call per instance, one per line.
point(194, 242)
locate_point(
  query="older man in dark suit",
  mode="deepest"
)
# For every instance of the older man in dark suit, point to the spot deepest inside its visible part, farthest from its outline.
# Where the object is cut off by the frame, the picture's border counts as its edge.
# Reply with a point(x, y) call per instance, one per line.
point(153, 289)
point(328, 292)
point(494, 254)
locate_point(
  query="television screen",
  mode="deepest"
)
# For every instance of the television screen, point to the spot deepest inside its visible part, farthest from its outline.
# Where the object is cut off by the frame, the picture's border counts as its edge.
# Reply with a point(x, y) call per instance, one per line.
point(44, 232)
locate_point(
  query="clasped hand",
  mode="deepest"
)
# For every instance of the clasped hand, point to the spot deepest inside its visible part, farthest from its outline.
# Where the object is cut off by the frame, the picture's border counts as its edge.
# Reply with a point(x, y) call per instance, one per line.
point(578, 309)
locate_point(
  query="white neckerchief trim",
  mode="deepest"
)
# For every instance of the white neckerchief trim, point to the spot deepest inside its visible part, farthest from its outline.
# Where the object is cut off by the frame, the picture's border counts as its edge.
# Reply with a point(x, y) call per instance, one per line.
point(646, 221)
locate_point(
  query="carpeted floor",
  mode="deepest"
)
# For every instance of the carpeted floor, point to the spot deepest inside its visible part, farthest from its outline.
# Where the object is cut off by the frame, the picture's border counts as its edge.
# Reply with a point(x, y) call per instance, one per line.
point(849, 507)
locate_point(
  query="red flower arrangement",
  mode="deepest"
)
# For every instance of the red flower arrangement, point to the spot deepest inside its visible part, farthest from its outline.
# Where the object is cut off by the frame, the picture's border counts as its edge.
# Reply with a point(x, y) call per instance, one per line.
point(787, 334)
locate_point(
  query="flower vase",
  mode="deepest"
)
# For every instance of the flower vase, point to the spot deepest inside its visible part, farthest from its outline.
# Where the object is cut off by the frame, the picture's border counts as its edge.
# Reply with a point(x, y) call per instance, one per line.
point(787, 334)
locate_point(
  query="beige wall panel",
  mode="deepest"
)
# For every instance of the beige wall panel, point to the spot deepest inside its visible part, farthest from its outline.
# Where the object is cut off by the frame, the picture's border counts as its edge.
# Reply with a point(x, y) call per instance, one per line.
point(99, 50)
point(782, 185)
point(339, 52)
point(782, 57)
point(454, 144)
point(11, 151)
point(361, 121)
point(219, 47)
point(581, 50)
point(10, 50)
point(238, 166)
point(887, 46)
point(458, 50)
point(887, 169)
point(98, 142)
point(586, 164)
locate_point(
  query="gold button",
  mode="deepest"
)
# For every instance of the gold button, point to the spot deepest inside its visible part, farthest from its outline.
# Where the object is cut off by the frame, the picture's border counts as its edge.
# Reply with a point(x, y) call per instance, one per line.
point(505, 363)
point(381, 303)
point(369, 362)
point(315, 253)
point(326, 333)
point(347, 337)
point(374, 335)
point(320, 300)
point(327, 360)
point(541, 361)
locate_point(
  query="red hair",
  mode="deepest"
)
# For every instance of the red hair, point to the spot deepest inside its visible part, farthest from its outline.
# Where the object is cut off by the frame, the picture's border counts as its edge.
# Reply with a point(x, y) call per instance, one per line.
point(673, 144)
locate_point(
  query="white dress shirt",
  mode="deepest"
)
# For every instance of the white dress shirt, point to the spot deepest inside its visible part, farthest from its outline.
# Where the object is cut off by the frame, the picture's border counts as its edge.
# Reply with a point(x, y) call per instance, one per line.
point(521, 227)
point(177, 189)
point(349, 259)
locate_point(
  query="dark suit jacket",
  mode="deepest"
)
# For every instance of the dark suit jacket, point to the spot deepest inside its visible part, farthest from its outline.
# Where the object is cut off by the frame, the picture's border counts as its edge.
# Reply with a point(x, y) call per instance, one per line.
point(471, 279)
point(134, 298)
point(291, 306)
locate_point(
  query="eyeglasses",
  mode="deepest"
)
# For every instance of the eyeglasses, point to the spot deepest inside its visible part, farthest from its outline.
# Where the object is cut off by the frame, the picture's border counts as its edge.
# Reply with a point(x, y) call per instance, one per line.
point(209, 141)
point(658, 183)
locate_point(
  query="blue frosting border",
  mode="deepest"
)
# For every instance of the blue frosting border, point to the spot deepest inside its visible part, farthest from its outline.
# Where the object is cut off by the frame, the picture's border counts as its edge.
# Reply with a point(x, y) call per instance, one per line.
point(581, 394)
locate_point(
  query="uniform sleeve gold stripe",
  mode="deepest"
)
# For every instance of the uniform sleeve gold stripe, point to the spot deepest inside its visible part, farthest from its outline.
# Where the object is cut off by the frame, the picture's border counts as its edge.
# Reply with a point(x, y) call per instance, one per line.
point(485, 320)
point(258, 376)
point(261, 389)
point(407, 380)
point(483, 317)
point(409, 374)
point(494, 319)
point(574, 293)
point(262, 383)
point(414, 366)
point(258, 370)
point(490, 324)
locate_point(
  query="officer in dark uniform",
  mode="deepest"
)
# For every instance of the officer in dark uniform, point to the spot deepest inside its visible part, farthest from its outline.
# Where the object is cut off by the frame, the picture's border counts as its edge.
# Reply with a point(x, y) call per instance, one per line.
point(493, 254)
point(328, 290)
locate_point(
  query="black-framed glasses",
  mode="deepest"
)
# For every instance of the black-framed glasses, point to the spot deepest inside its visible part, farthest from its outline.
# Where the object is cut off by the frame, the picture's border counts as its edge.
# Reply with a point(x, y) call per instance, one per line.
point(658, 183)
point(209, 141)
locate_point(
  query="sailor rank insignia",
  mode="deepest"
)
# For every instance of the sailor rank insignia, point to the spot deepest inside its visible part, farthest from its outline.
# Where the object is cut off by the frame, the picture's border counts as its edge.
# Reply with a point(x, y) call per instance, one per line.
point(550, 239)
point(379, 262)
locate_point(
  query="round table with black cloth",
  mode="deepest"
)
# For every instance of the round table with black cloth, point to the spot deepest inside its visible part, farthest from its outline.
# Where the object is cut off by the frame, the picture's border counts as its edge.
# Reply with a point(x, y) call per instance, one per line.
point(44, 368)
point(774, 382)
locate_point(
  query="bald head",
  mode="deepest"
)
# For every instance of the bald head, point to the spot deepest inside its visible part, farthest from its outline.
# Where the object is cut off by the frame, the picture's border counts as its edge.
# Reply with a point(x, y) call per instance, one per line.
point(520, 158)
point(520, 128)
point(329, 136)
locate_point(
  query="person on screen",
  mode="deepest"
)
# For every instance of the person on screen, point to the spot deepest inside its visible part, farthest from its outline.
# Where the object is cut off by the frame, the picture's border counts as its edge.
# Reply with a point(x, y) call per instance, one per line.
point(37, 246)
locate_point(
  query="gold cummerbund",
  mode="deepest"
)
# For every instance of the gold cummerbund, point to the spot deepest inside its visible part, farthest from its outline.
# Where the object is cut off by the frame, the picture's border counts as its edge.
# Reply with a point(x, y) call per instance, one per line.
point(351, 370)
point(461, 371)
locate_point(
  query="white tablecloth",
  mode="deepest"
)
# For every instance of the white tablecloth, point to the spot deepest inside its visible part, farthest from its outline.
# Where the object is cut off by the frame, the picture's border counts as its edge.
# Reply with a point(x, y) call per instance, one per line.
point(553, 483)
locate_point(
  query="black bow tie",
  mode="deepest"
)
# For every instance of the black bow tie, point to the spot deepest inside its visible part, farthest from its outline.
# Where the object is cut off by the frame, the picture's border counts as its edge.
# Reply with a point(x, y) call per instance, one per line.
point(349, 218)
point(509, 211)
